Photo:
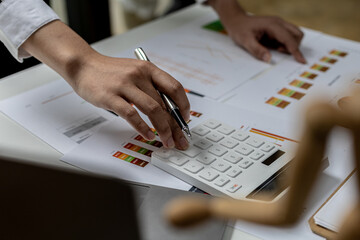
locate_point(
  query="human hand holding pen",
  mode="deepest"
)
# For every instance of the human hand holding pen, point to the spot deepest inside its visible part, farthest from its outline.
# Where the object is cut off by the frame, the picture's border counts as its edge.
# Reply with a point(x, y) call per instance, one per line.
point(113, 83)
point(169, 103)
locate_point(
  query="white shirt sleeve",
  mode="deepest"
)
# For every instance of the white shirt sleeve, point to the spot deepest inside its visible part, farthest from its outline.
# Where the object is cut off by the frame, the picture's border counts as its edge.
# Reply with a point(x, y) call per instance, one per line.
point(19, 19)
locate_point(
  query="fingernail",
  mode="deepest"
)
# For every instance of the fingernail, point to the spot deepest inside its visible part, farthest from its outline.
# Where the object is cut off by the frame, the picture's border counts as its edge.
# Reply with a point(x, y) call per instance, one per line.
point(303, 60)
point(187, 117)
point(266, 57)
point(150, 135)
point(170, 143)
point(183, 143)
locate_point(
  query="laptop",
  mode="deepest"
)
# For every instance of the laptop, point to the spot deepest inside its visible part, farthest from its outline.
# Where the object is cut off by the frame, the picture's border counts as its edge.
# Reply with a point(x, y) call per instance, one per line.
point(38, 202)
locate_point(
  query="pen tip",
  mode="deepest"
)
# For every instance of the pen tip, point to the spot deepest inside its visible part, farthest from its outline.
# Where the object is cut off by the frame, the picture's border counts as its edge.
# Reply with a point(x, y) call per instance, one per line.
point(187, 131)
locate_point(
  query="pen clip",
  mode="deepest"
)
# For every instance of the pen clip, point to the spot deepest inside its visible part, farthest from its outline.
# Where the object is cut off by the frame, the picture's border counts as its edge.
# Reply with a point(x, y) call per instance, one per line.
point(140, 54)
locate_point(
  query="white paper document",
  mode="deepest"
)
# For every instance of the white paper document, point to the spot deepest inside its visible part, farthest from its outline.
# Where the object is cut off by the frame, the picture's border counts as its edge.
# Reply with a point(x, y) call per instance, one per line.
point(203, 59)
point(56, 114)
point(332, 214)
point(288, 88)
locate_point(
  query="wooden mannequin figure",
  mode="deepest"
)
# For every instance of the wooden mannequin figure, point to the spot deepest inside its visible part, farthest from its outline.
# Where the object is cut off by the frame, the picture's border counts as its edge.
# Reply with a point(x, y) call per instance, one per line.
point(320, 120)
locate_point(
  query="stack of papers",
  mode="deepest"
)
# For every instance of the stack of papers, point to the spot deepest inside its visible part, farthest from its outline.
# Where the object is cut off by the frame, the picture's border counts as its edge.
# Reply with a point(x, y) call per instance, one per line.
point(332, 214)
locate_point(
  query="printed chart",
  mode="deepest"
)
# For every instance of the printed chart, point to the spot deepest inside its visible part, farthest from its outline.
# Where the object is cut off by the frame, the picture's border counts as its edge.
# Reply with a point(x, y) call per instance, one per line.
point(209, 68)
point(285, 91)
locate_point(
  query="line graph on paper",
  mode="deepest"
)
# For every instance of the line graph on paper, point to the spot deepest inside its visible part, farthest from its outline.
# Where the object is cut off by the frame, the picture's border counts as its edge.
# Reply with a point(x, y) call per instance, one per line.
point(205, 48)
point(186, 70)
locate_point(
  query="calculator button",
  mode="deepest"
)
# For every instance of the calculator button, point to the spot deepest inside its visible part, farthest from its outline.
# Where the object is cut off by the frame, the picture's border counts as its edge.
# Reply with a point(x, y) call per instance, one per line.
point(233, 188)
point(232, 157)
point(244, 149)
point(205, 158)
point(211, 123)
point(225, 129)
point(208, 174)
point(200, 130)
point(178, 160)
point(164, 153)
point(256, 155)
point(220, 166)
point(193, 167)
point(240, 135)
point(245, 163)
point(217, 150)
point(254, 142)
point(267, 147)
point(215, 137)
point(233, 172)
point(229, 143)
point(221, 181)
point(192, 151)
point(203, 144)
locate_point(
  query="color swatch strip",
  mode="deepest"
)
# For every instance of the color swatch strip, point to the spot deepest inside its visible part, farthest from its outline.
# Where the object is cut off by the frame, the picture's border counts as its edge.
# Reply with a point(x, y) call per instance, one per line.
point(195, 114)
point(328, 60)
point(300, 84)
point(291, 93)
point(278, 102)
point(154, 143)
point(194, 93)
point(154, 131)
point(309, 75)
point(271, 135)
point(215, 26)
point(138, 149)
point(338, 53)
point(319, 67)
point(130, 159)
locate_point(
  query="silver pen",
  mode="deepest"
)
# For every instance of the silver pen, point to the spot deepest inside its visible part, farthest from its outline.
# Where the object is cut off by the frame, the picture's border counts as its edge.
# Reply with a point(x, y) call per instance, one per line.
point(170, 105)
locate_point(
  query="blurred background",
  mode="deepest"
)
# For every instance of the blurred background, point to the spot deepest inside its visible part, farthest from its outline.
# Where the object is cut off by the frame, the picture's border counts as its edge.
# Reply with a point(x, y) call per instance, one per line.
point(95, 20)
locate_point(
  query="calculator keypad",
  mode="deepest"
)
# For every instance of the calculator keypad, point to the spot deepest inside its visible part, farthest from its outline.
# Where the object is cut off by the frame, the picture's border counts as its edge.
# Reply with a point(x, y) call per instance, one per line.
point(219, 155)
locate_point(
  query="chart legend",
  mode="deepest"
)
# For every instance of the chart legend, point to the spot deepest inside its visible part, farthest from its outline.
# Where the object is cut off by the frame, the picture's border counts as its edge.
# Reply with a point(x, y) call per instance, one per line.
point(271, 135)
point(338, 53)
point(154, 131)
point(278, 102)
point(291, 93)
point(309, 75)
point(319, 67)
point(154, 143)
point(195, 114)
point(215, 26)
point(328, 60)
point(300, 84)
point(138, 149)
point(130, 159)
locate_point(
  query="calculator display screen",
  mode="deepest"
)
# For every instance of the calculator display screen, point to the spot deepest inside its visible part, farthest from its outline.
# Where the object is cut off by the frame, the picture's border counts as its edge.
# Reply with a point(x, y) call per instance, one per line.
point(273, 158)
point(272, 187)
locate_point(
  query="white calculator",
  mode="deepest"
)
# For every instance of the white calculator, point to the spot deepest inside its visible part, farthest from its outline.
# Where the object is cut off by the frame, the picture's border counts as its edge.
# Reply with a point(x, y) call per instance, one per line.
point(224, 161)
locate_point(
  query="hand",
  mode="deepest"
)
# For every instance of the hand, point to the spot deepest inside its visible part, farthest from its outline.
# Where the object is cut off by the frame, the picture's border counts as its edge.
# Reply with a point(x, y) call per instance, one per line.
point(256, 34)
point(115, 83)
point(112, 83)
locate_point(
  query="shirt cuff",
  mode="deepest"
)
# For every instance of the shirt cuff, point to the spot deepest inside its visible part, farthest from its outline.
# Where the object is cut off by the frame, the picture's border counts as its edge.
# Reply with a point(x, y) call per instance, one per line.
point(19, 19)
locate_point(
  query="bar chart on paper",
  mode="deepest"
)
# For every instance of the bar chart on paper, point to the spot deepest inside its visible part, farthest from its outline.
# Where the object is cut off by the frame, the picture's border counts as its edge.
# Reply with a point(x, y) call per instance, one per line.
point(285, 90)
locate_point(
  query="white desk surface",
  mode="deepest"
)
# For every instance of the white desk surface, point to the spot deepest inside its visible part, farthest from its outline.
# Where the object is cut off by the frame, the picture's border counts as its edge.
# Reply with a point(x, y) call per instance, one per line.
point(17, 142)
